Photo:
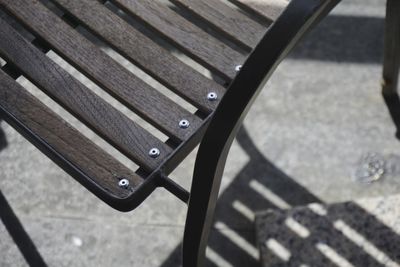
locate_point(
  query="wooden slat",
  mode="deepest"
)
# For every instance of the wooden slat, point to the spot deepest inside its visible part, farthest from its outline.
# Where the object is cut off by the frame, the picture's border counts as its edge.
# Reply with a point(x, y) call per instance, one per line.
point(210, 51)
point(230, 21)
point(103, 169)
point(268, 9)
point(108, 122)
point(102, 69)
point(141, 50)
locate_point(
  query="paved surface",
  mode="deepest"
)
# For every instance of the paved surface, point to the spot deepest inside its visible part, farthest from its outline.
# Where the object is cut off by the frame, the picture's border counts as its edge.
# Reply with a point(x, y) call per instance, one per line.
point(343, 234)
point(317, 118)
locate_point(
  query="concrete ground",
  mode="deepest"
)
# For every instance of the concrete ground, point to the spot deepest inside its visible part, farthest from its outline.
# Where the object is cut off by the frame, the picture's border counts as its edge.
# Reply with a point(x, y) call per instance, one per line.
point(305, 140)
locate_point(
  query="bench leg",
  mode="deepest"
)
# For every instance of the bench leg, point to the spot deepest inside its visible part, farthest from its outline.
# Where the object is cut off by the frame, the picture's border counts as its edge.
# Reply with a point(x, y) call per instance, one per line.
point(203, 198)
point(391, 61)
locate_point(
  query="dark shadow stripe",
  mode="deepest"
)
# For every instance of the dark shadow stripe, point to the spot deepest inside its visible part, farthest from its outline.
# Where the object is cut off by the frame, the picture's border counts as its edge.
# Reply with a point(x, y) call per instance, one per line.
point(377, 233)
point(19, 235)
point(3, 139)
point(340, 38)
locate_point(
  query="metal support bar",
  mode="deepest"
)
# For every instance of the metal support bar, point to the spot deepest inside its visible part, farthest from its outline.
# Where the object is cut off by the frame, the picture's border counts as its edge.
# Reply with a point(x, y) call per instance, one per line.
point(391, 61)
point(175, 189)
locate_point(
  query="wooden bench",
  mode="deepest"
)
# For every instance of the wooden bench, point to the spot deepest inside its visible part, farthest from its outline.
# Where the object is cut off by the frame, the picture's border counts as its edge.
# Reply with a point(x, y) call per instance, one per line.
point(240, 44)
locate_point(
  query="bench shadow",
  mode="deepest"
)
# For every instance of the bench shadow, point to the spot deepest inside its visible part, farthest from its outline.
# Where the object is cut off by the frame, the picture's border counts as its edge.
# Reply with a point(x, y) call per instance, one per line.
point(261, 186)
point(19, 235)
point(14, 225)
point(3, 139)
point(327, 235)
point(341, 38)
point(338, 38)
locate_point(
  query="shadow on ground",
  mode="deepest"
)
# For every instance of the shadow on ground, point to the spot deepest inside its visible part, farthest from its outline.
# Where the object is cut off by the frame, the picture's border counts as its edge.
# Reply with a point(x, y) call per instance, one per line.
point(341, 234)
point(338, 39)
point(3, 139)
point(14, 226)
point(260, 186)
point(19, 235)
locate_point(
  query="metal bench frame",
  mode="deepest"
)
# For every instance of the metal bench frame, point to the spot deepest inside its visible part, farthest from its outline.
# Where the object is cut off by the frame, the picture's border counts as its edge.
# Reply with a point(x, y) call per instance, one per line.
point(220, 127)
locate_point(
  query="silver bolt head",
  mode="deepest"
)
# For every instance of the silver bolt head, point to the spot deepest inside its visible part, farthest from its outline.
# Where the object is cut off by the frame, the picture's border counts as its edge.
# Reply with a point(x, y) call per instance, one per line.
point(154, 152)
point(124, 183)
point(184, 124)
point(238, 67)
point(212, 96)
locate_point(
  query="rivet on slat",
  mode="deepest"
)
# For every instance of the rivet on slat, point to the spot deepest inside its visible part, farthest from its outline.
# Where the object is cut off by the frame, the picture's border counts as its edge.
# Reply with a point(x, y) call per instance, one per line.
point(124, 183)
point(212, 96)
point(238, 67)
point(154, 152)
point(184, 124)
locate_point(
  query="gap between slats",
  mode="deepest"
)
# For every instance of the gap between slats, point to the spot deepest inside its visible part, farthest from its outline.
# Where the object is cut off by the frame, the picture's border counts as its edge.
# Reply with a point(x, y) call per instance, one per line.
point(267, 10)
point(137, 71)
point(207, 27)
point(140, 171)
point(171, 48)
point(98, 165)
point(88, 107)
point(198, 44)
point(105, 96)
point(149, 103)
point(75, 123)
point(230, 22)
point(121, 34)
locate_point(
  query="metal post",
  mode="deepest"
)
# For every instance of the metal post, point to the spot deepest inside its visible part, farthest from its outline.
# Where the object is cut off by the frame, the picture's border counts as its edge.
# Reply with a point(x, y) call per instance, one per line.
point(391, 61)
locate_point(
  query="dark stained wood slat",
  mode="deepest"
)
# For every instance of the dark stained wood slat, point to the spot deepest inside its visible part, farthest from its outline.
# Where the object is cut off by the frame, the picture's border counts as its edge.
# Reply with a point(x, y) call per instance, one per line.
point(141, 50)
point(268, 9)
point(210, 51)
point(103, 169)
point(115, 127)
point(230, 21)
point(102, 69)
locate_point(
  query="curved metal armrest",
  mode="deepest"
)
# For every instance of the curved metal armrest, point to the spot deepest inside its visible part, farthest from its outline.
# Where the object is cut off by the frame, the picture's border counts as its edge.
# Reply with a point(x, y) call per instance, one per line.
point(294, 22)
point(283, 35)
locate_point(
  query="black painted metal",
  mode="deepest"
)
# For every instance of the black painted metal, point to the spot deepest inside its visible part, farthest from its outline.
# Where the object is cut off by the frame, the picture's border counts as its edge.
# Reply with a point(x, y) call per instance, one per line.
point(175, 189)
point(391, 63)
point(298, 17)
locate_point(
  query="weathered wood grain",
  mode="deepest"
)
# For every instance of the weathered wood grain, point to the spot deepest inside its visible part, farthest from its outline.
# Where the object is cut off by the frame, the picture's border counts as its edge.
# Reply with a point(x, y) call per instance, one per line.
point(142, 51)
point(208, 50)
point(102, 168)
point(102, 69)
point(267, 9)
point(104, 119)
point(231, 22)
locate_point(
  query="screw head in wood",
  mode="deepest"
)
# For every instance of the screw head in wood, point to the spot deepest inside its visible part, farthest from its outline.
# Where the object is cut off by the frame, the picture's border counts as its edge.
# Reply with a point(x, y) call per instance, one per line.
point(154, 152)
point(123, 183)
point(238, 67)
point(212, 96)
point(184, 124)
